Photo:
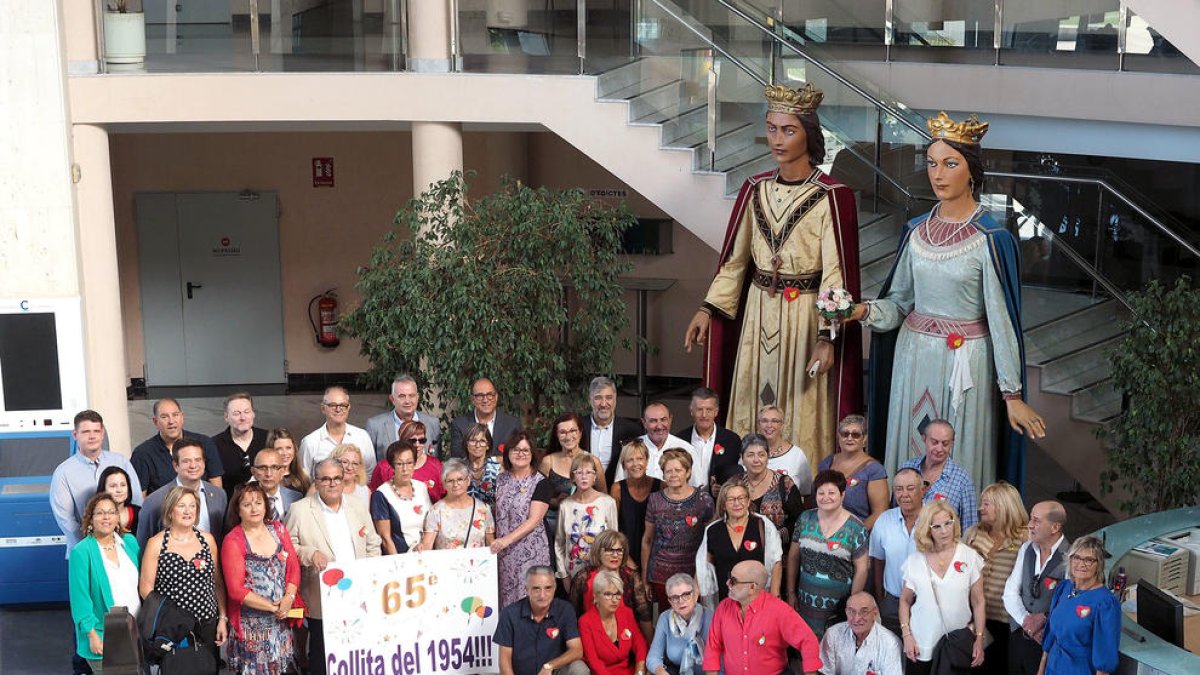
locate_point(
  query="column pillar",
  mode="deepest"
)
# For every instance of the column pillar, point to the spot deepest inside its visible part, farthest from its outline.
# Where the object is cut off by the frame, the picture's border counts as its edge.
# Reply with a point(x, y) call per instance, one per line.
point(437, 151)
point(99, 285)
point(429, 37)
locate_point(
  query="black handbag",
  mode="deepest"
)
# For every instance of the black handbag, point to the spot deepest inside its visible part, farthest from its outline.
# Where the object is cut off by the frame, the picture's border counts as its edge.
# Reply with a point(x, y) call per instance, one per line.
point(170, 637)
point(189, 657)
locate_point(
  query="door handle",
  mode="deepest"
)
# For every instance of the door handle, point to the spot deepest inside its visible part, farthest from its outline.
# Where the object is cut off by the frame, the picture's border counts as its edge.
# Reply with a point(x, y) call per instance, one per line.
point(191, 287)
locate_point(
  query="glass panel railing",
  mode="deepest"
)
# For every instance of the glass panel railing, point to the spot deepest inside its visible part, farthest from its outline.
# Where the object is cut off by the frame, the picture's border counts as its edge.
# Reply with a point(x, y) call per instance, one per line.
point(1146, 50)
point(959, 32)
point(1079, 34)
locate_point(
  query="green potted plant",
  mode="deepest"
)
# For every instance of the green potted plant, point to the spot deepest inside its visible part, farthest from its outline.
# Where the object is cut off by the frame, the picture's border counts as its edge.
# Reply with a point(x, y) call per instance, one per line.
point(124, 32)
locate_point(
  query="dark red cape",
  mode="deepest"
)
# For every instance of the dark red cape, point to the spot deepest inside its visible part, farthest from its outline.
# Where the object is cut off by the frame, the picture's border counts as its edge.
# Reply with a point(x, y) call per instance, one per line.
point(720, 353)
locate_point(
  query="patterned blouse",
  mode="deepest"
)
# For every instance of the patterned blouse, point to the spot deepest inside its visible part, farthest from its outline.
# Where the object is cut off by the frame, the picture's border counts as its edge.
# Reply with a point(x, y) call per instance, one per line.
point(995, 569)
point(460, 528)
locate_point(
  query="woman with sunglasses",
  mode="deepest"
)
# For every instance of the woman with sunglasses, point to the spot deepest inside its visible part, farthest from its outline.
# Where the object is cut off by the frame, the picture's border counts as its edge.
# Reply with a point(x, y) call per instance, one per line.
point(428, 469)
point(610, 552)
point(1084, 626)
point(485, 467)
point(866, 482)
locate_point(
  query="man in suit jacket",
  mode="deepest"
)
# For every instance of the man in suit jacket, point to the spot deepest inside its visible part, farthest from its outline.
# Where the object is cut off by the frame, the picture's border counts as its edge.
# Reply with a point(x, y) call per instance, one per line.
point(604, 433)
point(268, 471)
point(327, 528)
point(188, 459)
point(720, 445)
point(384, 428)
point(485, 399)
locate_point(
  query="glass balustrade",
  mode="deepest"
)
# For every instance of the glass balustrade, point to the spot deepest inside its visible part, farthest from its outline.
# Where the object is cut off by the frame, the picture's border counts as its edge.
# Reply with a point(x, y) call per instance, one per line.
point(959, 32)
point(1146, 50)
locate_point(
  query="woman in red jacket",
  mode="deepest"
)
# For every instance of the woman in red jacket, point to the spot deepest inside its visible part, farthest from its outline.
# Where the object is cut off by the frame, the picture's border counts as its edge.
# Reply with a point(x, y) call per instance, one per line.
point(262, 573)
point(612, 642)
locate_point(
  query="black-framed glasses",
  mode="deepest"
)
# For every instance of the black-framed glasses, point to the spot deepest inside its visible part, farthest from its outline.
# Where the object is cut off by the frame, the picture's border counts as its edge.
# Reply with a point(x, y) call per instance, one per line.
point(1086, 561)
point(269, 468)
point(330, 480)
point(682, 596)
point(847, 433)
point(614, 550)
point(337, 406)
point(483, 395)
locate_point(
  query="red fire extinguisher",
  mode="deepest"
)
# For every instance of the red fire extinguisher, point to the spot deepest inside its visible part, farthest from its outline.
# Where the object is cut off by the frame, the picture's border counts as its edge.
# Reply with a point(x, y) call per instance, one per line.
point(325, 326)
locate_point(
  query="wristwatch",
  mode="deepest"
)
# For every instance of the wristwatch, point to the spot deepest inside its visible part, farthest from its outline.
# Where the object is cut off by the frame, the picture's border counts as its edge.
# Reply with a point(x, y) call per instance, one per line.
point(547, 666)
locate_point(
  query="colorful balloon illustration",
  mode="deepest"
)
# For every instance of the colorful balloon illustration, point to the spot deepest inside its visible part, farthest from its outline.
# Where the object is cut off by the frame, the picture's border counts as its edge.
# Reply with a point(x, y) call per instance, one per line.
point(344, 583)
point(332, 576)
point(474, 605)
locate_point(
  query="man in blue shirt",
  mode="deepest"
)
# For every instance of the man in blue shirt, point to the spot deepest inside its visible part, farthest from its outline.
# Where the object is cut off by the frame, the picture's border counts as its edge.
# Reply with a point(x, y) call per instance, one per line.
point(74, 481)
point(944, 479)
point(892, 543)
point(543, 627)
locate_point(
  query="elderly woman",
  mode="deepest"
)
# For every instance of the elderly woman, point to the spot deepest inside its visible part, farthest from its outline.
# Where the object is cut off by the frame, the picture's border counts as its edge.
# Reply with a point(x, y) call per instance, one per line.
point(682, 632)
point(866, 482)
point(610, 552)
point(632, 493)
point(827, 560)
point(772, 494)
point(477, 444)
point(734, 535)
point(1083, 629)
point(103, 573)
point(398, 507)
point(675, 518)
point(581, 516)
point(782, 456)
point(180, 563)
point(459, 520)
point(262, 573)
point(1003, 527)
point(115, 482)
point(295, 477)
point(943, 589)
point(428, 469)
point(612, 642)
point(355, 484)
point(522, 498)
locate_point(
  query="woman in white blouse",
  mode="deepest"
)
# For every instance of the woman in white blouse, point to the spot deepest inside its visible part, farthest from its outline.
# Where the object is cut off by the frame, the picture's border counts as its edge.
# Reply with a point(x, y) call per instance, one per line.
point(103, 574)
point(943, 588)
point(782, 456)
point(398, 507)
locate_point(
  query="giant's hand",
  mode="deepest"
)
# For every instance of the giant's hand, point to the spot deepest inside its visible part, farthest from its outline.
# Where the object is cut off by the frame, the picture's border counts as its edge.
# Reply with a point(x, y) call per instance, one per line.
point(697, 330)
point(822, 354)
point(1025, 420)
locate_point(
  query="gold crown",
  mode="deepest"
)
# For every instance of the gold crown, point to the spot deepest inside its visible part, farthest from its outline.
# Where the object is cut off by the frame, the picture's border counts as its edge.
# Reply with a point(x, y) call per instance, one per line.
point(803, 101)
point(970, 131)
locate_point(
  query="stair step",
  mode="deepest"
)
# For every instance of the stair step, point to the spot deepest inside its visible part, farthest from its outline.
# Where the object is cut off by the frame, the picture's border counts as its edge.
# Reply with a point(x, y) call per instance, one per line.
point(873, 275)
point(738, 175)
point(626, 82)
point(739, 157)
point(660, 104)
point(1073, 332)
point(878, 239)
point(1097, 404)
point(1078, 371)
point(685, 132)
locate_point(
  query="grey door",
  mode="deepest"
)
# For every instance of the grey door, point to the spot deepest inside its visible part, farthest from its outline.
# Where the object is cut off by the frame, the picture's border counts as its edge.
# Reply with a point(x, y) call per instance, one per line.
point(210, 282)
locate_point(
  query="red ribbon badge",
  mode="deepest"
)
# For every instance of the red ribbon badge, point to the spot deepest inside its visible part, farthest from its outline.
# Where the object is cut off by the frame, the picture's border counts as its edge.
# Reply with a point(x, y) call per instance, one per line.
point(959, 566)
point(750, 545)
point(939, 496)
point(831, 545)
point(853, 482)
point(627, 634)
point(719, 449)
point(954, 340)
point(1083, 611)
point(553, 633)
point(198, 563)
point(417, 509)
point(1050, 584)
point(431, 483)
point(691, 521)
point(790, 294)
point(362, 531)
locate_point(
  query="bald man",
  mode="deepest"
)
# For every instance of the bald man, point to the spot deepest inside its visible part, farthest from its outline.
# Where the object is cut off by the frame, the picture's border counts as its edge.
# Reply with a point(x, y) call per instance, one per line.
point(752, 629)
point(1041, 565)
point(861, 644)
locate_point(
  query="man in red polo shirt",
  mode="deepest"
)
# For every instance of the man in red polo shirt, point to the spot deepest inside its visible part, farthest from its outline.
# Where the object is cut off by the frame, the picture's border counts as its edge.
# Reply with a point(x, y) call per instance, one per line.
point(752, 629)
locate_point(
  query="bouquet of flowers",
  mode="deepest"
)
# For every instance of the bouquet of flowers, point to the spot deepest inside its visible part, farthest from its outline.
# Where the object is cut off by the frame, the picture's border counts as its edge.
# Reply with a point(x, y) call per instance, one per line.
point(835, 304)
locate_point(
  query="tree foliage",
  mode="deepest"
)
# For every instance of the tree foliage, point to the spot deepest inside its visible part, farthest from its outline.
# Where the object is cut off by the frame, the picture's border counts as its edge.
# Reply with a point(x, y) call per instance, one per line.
point(520, 286)
point(1154, 446)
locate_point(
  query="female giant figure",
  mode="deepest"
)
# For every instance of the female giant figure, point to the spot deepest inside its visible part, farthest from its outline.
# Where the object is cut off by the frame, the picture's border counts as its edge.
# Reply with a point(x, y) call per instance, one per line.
point(793, 232)
point(950, 318)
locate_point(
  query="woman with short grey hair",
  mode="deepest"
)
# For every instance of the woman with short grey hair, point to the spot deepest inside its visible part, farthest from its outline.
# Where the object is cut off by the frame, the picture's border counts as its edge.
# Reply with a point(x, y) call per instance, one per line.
point(458, 520)
point(682, 631)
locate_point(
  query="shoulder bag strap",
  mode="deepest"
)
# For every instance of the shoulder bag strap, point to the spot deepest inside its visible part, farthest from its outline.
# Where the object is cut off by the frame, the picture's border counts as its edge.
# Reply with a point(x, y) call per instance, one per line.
point(470, 524)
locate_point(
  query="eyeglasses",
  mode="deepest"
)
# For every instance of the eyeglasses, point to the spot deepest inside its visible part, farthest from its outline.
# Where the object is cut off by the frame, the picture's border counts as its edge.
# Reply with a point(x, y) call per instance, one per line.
point(737, 499)
point(734, 581)
point(478, 441)
point(330, 480)
point(1086, 561)
point(612, 595)
point(349, 462)
point(98, 513)
point(455, 481)
point(682, 596)
point(337, 406)
point(846, 433)
point(483, 395)
point(520, 451)
point(568, 432)
point(269, 468)
point(615, 550)
point(938, 527)
point(405, 464)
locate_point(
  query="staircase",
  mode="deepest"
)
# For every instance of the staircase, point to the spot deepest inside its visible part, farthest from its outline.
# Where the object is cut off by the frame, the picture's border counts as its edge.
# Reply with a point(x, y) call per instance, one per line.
point(1067, 330)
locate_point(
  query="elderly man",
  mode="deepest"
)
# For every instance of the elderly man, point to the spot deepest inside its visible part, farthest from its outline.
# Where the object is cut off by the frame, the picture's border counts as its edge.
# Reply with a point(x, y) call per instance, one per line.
point(485, 400)
point(656, 420)
point(721, 446)
point(268, 471)
point(239, 442)
point(335, 406)
point(945, 479)
point(1041, 565)
point(752, 629)
point(74, 481)
point(605, 433)
point(384, 428)
point(153, 460)
point(187, 458)
point(539, 634)
point(892, 542)
point(327, 528)
point(861, 645)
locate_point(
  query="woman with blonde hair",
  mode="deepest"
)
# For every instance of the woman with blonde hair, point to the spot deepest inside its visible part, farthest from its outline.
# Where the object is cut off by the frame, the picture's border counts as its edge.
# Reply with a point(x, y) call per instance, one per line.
point(355, 484)
point(1003, 527)
point(942, 598)
point(736, 534)
point(632, 494)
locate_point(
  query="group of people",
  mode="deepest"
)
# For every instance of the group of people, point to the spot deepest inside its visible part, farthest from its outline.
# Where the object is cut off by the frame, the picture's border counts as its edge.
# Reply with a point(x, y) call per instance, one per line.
point(778, 535)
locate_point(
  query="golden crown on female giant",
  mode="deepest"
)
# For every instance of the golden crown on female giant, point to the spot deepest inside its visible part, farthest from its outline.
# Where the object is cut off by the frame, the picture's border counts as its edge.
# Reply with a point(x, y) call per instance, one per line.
point(969, 131)
point(803, 101)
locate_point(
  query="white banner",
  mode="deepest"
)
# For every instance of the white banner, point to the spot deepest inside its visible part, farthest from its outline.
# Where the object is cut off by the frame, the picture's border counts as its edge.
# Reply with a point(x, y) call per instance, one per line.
point(410, 614)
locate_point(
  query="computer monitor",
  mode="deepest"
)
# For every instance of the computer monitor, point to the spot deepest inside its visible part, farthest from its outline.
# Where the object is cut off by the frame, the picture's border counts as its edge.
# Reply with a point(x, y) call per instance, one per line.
point(1160, 613)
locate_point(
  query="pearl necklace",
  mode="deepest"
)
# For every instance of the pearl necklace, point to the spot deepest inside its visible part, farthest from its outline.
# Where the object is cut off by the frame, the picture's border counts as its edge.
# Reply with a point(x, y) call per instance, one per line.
point(958, 225)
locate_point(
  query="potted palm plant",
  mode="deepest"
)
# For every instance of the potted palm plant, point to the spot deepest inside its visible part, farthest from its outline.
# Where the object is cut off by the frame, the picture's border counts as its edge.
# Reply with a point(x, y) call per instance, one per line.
point(124, 32)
